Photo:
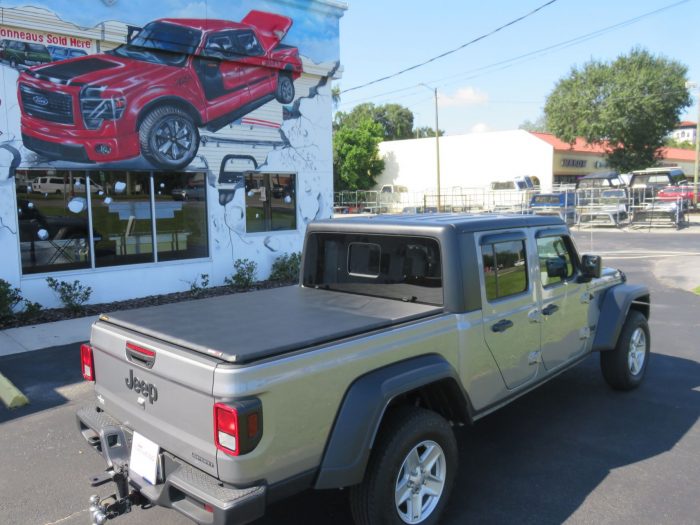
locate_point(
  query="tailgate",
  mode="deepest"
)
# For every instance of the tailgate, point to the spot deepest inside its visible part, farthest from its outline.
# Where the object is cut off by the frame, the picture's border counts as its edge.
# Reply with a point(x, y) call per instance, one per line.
point(159, 390)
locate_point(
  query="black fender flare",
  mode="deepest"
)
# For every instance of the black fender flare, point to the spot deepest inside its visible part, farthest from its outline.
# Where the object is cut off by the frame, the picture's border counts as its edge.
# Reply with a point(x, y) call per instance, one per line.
point(362, 409)
point(614, 307)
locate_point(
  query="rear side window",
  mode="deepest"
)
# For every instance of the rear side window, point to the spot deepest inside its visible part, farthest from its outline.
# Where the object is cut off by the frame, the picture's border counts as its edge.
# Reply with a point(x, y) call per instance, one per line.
point(505, 269)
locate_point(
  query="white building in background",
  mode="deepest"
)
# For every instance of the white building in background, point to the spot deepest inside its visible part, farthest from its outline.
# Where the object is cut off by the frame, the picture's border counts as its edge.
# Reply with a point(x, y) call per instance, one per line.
point(478, 160)
point(685, 132)
point(466, 161)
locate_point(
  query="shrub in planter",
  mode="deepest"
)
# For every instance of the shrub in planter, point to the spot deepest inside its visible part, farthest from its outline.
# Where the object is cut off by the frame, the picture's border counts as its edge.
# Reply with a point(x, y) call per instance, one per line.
point(9, 298)
point(244, 274)
point(286, 267)
point(72, 295)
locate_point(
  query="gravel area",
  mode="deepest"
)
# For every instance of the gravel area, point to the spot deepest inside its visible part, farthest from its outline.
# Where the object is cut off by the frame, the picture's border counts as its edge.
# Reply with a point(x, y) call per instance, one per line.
point(59, 314)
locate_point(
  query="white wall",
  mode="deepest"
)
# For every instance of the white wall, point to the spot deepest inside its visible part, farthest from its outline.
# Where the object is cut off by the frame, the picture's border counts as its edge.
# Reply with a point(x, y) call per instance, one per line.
point(468, 161)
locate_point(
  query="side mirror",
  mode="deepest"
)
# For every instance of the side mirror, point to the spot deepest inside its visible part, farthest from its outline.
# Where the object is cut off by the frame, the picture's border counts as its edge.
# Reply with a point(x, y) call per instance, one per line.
point(556, 267)
point(591, 266)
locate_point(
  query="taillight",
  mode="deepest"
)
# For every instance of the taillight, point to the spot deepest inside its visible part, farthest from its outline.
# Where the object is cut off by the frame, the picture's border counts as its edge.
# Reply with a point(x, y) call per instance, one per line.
point(226, 428)
point(87, 362)
point(238, 426)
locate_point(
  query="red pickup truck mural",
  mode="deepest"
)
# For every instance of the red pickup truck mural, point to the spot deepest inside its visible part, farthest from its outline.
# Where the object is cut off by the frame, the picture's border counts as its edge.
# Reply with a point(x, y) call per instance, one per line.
point(150, 96)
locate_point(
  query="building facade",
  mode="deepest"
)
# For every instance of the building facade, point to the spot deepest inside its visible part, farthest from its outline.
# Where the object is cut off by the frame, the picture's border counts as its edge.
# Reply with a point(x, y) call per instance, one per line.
point(143, 146)
point(478, 160)
point(686, 131)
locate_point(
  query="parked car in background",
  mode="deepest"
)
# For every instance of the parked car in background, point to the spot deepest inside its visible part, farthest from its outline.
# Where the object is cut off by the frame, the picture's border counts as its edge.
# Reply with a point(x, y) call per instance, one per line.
point(49, 184)
point(24, 54)
point(675, 193)
point(63, 53)
point(193, 193)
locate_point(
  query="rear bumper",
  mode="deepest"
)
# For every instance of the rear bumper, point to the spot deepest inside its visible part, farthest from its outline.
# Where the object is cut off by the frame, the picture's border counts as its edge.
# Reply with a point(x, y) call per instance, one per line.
point(197, 495)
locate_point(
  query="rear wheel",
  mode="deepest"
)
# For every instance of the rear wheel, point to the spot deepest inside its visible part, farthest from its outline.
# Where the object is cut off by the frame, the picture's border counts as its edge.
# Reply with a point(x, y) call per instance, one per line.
point(168, 137)
point(410, 473)
point(624, 367)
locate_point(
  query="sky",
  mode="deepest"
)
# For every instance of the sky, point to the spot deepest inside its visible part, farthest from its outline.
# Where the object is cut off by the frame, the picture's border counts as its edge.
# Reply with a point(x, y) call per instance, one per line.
point(378, 38)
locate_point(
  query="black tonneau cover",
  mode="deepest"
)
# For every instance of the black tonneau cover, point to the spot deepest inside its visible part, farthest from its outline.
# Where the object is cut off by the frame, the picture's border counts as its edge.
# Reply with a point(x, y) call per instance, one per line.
point(245, 327)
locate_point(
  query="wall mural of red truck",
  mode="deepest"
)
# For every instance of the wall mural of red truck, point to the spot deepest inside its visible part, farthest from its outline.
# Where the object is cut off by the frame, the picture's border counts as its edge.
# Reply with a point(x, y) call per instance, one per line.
point(150, 96)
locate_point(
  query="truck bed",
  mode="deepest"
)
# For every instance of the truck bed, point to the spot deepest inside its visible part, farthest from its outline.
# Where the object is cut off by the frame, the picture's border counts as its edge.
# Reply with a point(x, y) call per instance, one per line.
point(245, 327)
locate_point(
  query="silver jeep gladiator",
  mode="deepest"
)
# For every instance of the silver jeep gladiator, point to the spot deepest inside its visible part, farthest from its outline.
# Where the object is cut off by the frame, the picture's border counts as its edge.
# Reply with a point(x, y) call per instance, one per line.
point(401, 327)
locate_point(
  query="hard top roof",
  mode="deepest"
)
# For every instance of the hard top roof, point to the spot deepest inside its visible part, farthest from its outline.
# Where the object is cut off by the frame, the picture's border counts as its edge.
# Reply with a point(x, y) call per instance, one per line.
point(404, 223)
point(608, 175)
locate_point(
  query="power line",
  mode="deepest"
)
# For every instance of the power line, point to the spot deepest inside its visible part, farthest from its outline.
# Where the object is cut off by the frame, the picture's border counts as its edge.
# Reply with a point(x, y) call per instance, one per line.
point(433, 59)
point(530, 55)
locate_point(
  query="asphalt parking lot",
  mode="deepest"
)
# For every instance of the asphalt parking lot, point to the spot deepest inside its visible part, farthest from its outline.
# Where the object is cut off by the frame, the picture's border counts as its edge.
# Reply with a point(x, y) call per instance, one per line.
point(572, 451)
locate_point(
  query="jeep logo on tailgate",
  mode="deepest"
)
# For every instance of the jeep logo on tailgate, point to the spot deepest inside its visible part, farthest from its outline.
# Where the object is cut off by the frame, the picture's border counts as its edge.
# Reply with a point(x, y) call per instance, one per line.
point(148, 390)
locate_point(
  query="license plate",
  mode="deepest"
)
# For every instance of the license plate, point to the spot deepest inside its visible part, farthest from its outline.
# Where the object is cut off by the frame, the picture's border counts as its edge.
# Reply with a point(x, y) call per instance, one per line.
point(144, 458)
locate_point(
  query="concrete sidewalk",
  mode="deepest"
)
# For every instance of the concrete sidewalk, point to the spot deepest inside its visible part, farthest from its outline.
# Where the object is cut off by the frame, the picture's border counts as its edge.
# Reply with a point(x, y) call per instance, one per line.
point(46, 335)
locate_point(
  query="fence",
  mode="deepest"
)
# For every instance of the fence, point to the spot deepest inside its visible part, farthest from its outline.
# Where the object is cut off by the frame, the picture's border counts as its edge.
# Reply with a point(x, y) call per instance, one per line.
point(592, 207)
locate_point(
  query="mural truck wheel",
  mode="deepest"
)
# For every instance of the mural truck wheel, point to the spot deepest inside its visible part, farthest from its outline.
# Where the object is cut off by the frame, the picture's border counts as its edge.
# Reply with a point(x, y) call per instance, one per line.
point(285, 89)
point(168, 137)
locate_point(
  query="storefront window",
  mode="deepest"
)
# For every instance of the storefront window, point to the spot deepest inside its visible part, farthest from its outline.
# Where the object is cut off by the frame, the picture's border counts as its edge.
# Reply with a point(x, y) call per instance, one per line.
point(121, 213)
point(181, 215)
point(270, 202)
point(54, 220)
point(53, 223)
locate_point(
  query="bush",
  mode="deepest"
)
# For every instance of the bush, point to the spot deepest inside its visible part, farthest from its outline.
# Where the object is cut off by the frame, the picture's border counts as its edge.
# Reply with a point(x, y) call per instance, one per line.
point(9, 298)
point(72, 295)
point(286, 267)
point(244, 274)
point(199, 285)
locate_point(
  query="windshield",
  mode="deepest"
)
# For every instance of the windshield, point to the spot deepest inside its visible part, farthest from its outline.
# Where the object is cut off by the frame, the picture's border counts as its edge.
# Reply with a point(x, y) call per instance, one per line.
point(394, 267)
point(161, 43)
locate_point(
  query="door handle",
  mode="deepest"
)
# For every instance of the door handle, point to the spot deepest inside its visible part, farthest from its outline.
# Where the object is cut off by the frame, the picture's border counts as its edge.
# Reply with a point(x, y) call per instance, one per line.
point(549, 309)
point(502, 325)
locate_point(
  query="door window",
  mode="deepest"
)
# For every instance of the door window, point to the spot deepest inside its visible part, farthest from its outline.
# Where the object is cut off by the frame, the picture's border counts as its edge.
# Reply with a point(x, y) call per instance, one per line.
point(555, 252)
point(505, 269)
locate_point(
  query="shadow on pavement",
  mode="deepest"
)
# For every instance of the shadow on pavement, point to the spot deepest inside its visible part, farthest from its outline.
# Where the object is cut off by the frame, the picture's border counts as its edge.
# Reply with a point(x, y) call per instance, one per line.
point(39, 375)
point(536, 460)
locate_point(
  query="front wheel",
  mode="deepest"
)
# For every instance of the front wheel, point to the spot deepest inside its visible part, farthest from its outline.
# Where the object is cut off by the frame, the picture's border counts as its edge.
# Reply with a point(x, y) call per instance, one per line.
point(285, 89)
point(410, 473)
point(624, 367)
point(168, 137)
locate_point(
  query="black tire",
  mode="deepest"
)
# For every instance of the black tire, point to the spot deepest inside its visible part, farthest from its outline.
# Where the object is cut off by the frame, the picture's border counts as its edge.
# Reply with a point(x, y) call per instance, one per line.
point(621, 369)
point(285, 89)
point(372, 502)
point(168, 137)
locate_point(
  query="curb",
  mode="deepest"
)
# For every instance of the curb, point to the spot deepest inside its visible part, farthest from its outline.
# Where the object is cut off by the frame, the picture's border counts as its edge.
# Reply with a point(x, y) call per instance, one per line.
point(10, 394)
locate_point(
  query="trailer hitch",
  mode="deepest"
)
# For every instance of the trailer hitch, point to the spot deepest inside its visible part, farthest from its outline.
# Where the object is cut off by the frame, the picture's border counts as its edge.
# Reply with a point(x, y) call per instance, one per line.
point(115, 449)
point(122, 501)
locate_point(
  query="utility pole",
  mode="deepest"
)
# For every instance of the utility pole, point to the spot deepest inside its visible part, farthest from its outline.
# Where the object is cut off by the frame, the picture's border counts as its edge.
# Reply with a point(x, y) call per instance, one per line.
point(691, 85)
point(437, 143)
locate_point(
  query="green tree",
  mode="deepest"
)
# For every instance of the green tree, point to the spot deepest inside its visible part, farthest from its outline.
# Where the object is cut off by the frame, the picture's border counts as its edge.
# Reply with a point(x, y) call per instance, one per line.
point(629, 105)
point(396, 120)
point(356, 160)
point(539, 125)
point(425, 132)
point(680, 144)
